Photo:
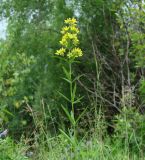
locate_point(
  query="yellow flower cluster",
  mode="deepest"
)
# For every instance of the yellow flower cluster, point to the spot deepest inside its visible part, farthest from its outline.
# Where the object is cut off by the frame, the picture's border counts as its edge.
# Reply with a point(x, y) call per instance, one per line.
point(76, 52)
point(64, 30)
point(74, 29)
point(71, 21)
point(60, 52)
point(70, 40)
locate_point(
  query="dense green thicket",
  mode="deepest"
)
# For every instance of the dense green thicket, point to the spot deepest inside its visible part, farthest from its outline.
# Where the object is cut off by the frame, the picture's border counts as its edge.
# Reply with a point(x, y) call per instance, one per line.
point(33, 30)
point(111, 77)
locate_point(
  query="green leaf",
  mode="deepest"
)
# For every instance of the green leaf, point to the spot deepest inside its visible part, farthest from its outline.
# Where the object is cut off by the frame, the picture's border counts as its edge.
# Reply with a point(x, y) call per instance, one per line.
point(67, 137)
point(74, 93)
point(81, 115)
point(67, 80)
point(69, 115)
point(64, 96)
point(9, 113)
point(67, 74)
point(78, 100)
point(78, 77)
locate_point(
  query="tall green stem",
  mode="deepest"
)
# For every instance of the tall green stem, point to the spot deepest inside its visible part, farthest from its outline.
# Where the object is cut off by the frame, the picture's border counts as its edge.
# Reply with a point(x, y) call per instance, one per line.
point(71, 96)
point(71, 86)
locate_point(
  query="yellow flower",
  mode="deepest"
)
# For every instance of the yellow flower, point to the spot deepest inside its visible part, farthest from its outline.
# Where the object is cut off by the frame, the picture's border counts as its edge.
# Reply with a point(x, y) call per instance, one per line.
point(74, 29)
point(76, 52)
point(71, 21)
point(70, 40)
point(64, 40)
point(60, 52)
point(75, 40)
point(69, 37)
point(64, 29)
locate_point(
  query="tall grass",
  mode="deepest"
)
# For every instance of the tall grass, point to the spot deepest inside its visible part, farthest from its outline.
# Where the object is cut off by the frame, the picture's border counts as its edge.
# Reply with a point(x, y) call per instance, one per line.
point(126, 143)
point(123, 145)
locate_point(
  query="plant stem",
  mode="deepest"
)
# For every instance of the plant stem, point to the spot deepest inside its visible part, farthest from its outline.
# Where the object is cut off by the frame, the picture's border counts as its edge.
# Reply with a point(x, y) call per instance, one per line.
point(71, 87)
point(72, 98)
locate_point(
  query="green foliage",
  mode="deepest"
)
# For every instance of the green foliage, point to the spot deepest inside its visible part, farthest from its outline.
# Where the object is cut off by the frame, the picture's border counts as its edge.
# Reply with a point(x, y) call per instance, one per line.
point(33, 98)
point(33, 30)
point(10, 151)
point(94, 148)
point(129, 130)
point(15, 70)
point(131, 19)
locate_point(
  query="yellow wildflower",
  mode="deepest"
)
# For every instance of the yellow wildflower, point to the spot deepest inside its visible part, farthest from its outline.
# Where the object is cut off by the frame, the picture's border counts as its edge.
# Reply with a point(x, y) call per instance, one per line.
point(70, 40)
point(64, 29)
point(69, 37)
point(75, 40)
point(64, 40)
point(71, 21)
point(60, 52)
point(76, 52)
point(74, 29)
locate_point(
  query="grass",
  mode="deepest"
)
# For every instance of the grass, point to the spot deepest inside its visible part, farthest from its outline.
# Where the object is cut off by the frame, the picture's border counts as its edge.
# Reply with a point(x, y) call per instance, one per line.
point(126, 143)
point(12, 151)
point(94, 149)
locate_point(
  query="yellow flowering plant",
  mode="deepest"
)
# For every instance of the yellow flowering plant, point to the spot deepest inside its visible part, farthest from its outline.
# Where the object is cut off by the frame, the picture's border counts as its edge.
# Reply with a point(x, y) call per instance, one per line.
point(69, 40)
point(70, 51)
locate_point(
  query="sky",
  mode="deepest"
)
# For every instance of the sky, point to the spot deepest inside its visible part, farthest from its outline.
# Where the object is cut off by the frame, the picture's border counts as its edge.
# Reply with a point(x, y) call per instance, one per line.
point(3, 26)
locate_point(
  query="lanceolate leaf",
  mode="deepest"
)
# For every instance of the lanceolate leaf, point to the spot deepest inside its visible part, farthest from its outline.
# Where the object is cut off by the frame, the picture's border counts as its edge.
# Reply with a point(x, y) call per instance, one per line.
point(67, 74)
point(64, 96)
point(69, 115)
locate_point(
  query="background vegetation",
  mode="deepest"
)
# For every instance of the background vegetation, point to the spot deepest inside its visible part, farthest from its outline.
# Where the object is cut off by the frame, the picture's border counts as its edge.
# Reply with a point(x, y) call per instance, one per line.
point(108, 120)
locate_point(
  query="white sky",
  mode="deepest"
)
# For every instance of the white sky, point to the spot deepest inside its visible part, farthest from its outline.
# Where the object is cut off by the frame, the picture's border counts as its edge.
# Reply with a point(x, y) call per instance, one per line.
point(3, 25)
